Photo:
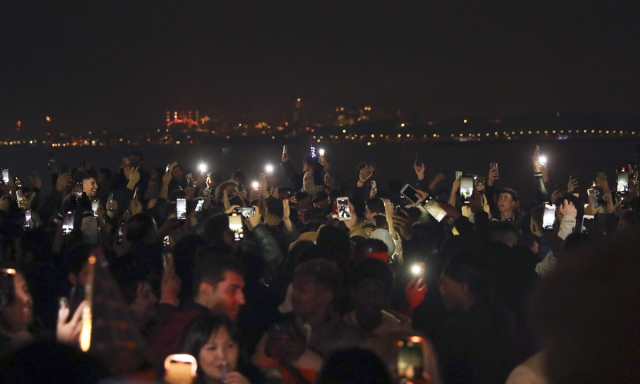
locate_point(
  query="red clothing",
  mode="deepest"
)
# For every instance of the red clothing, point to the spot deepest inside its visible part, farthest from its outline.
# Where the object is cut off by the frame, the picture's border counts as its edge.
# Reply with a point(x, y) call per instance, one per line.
point(170, 333)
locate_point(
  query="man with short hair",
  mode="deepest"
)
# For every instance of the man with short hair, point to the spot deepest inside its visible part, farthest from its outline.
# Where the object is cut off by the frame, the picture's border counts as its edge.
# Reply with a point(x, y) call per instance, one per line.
point(508, 206)
point(135, 161)
point(373, 207)
point(217, 287)
point(370, 288)
point(316, 285)
point(504, 232)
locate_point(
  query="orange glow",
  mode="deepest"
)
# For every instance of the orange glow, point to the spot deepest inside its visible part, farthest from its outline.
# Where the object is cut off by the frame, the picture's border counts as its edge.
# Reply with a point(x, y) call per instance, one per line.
point(48, 119)
point(416, 339)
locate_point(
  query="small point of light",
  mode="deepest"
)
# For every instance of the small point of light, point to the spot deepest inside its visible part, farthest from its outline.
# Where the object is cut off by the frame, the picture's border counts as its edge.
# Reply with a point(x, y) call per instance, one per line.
point(368, 143)
point(268, 168)
point(465, 121)
point(202, 167)
point(402, 125)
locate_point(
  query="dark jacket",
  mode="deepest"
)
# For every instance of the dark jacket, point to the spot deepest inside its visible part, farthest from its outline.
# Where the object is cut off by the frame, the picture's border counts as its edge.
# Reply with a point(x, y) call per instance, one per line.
point(473, 348)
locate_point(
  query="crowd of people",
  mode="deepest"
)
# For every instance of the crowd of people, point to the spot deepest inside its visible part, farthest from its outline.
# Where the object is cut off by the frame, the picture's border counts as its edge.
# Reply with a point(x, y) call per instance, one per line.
point(116, 276)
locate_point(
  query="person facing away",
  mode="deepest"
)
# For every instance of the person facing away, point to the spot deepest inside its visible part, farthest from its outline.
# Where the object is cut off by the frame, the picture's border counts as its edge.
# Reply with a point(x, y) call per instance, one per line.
point(217, 287)
point(472, 345)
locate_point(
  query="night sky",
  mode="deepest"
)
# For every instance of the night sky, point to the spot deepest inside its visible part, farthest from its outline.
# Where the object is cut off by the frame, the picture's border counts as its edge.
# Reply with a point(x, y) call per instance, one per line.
point(121, 64)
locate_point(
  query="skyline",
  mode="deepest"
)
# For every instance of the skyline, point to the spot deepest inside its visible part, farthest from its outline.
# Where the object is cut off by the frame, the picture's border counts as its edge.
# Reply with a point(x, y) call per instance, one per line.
point(120, 64)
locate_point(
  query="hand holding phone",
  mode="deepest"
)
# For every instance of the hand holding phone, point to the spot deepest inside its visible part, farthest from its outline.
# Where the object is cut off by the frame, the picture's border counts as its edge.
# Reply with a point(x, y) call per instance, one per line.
point(344, 211)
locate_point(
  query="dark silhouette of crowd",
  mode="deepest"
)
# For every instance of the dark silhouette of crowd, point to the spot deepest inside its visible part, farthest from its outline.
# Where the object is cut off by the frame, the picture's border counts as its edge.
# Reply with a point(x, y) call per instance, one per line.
point(177, 275)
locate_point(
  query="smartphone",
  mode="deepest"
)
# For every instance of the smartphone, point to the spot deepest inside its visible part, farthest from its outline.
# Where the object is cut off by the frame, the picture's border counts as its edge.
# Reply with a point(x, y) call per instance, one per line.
point(5, 175)
point(373, 184)
point(495, 166)
point(245, 212)
point(77, 190)
point(67, 223)
point(7, 287)
point(466, 188)
point(419, 158)
point(181, 209)
point(51, 162)
point(344, 212)
point(481, 180)
point(622, 185)
point(135, 193)
point(410, 193)
point(410, 358)
point(27, 218)
point(190, 179)
point(548, 217)
point(19, 195)
point(109, 203)
point(417, 269)
point(235, 225)
point(587, 223)
point(435, 210)
point(120, 236)
point(284, 150)
point(199, 205)
point(180, 369)
point(458, 174)
point(95, 204)
point(321, 152)
point(64, 169)
point(593, 198)
point(166, 241)
point(17, 182)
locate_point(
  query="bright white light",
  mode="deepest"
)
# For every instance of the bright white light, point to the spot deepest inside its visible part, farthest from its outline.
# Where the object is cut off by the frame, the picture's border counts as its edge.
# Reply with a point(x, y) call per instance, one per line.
point(542, 160)
point(268, 168)
point(416, 269)
point(321, 152)
point(202, 167)
point(255, 185)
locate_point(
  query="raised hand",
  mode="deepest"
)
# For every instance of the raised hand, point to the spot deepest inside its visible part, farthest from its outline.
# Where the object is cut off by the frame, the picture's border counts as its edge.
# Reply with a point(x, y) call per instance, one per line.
point(572, 184)
point(353, 221)
point(419, 168)
point(555, 196)
point(68, 332)
point(35, 180)
point(254, 220)
point(63, 181)
point(136, 207)
point(568, 209)
point(404, 225)
point(493, 176)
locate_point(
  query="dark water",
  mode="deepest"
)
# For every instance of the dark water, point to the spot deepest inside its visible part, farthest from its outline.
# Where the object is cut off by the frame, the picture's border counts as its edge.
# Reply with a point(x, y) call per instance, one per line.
point(395, 160)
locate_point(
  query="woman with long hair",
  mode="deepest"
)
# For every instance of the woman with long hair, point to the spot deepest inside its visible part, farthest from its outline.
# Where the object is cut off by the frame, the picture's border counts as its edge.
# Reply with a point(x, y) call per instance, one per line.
point(214, 340)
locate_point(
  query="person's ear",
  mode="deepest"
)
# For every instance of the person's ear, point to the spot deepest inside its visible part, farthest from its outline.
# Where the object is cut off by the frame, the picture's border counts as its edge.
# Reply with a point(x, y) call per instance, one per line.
point(205, 290)
point(463, 289)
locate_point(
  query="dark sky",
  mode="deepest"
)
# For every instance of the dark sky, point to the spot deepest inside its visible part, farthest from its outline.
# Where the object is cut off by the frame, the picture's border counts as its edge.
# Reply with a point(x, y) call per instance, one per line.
point(125, 64)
